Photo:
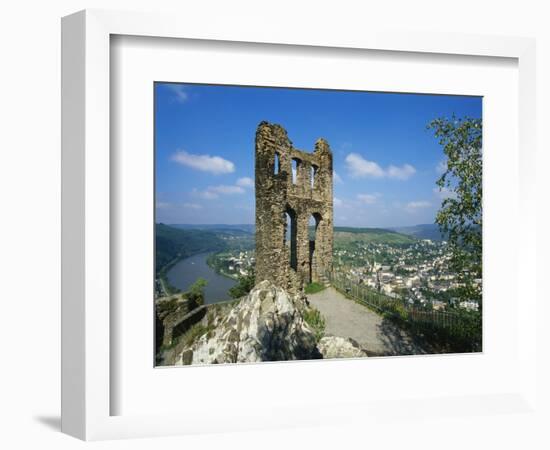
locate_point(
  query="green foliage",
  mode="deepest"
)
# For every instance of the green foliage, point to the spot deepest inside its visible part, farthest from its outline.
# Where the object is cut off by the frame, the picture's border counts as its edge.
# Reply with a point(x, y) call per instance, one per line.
point(460, 215)
point(314, 287)
point(191, 335)
point(468, 331)
point(464, 336)
point(396, 311)
point(196, 291)
point(244, 285)
point(316, 322)
point(167, 306)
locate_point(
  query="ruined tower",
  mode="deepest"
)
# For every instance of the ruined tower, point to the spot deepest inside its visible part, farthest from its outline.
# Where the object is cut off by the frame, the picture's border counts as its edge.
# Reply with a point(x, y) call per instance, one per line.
point(293, 187)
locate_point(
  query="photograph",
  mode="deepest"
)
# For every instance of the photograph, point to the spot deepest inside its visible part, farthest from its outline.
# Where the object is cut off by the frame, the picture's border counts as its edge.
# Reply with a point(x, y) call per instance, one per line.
point(300, 224)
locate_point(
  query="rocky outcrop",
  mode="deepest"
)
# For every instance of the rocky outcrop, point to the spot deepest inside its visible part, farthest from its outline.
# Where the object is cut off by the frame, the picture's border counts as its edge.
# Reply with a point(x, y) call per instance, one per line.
point(266, 325)
point(339, 347)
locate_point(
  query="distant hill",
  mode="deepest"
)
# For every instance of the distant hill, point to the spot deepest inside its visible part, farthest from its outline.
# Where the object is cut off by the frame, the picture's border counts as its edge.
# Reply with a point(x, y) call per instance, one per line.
point(377, 235)
point(422, 231)
point(247, 228)
point(171, 243)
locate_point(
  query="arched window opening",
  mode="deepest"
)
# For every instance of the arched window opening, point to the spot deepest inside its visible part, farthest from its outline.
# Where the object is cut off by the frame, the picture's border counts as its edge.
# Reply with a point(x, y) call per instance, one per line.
point(296, 163)
point(313, 173)
point(277, 166)
point(290, 237)
point(313, 225)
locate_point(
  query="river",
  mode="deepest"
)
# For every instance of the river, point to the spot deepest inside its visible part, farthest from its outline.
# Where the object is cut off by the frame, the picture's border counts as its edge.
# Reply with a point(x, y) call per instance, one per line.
point(186, 272)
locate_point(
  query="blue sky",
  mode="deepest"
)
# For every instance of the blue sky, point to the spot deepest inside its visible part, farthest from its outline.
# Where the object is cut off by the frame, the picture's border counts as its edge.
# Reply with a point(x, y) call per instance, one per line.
point(385, 161)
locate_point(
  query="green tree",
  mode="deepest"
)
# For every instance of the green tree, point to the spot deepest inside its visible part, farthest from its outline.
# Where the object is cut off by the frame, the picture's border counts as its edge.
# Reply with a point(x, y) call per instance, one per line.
point(196, 291)
point(244, 285)
point(460, 215)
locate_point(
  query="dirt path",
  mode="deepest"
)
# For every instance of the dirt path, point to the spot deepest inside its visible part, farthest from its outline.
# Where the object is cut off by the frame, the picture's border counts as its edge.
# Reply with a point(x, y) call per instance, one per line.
point(378, 336)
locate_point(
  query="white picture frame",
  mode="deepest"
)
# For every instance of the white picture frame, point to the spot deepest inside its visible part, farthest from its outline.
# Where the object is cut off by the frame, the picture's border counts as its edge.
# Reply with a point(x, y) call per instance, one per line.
point(87, 325)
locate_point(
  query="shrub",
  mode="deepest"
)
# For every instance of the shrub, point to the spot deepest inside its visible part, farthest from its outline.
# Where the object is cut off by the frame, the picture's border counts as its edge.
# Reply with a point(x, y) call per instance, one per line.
point(316, 321)
point(463, 336)
point(193, 334)
point(196, 291)
point(244, 286)
point(397, 312)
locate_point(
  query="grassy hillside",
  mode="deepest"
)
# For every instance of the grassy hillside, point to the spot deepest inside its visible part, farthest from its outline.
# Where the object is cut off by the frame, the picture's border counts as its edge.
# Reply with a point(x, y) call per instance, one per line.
point(376, 235)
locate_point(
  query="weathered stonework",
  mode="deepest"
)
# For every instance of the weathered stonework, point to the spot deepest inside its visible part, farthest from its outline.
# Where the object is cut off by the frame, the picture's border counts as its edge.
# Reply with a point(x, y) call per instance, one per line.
point(288, 258)
point(174, 316)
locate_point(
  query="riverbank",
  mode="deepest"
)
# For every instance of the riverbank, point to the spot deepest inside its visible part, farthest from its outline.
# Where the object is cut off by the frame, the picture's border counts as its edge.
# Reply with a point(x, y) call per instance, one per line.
point(165, 288)
point(184, 273)
point(168, 288)
point(216, 268)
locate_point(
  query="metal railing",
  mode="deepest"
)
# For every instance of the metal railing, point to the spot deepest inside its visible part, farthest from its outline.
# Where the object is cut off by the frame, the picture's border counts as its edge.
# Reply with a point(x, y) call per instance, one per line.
point(387, 304)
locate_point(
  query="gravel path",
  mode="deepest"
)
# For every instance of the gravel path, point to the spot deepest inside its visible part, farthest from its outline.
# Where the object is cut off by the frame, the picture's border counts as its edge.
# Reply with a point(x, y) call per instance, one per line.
point(378, 336)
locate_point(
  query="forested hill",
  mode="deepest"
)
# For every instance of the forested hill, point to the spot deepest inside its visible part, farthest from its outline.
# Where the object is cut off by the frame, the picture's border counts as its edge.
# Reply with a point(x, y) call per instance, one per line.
point(422, 231)
point(176, 242)
point(180, 241)
point(398, 235)
point(226, 228)
point(378, 235)
point(172, 243)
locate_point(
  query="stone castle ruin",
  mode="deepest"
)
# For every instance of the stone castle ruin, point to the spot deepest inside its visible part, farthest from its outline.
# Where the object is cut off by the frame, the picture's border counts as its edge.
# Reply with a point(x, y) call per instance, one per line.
point(293, 189)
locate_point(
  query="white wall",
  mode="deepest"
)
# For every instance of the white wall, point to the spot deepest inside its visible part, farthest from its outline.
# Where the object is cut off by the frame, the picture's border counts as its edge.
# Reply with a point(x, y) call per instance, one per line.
point(30, 189)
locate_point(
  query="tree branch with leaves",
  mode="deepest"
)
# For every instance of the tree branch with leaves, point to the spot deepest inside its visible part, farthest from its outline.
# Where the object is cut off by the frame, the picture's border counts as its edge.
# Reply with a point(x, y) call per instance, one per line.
point(461, 215)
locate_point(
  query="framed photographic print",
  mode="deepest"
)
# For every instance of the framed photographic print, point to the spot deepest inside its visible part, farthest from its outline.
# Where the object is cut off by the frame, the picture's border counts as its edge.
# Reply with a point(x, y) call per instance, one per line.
point(296, 214)
point(264, 252)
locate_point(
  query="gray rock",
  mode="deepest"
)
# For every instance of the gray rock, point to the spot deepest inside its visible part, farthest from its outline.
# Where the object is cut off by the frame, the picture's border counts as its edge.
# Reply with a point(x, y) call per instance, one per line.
point(339, 347)
point(266, 325)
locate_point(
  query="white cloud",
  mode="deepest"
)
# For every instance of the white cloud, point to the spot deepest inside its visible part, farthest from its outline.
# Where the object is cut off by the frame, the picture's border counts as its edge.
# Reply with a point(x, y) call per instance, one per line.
point(369, 199)
point(401, 173)
point(359, 167)
point(441, 167)
point(245, 182)
point(444, 193)
point(213, 192)
point(192, 206)
point(226, 189)
point(415, 206)
point(337, 179)
point(207, 195)
point(206, 163)
point(163, 205)
point(337, 202)
point(180, 94)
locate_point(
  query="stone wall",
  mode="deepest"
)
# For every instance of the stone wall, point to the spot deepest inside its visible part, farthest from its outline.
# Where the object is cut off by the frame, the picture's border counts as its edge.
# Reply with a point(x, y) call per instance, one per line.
point(287, 257)
point(174, 316)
